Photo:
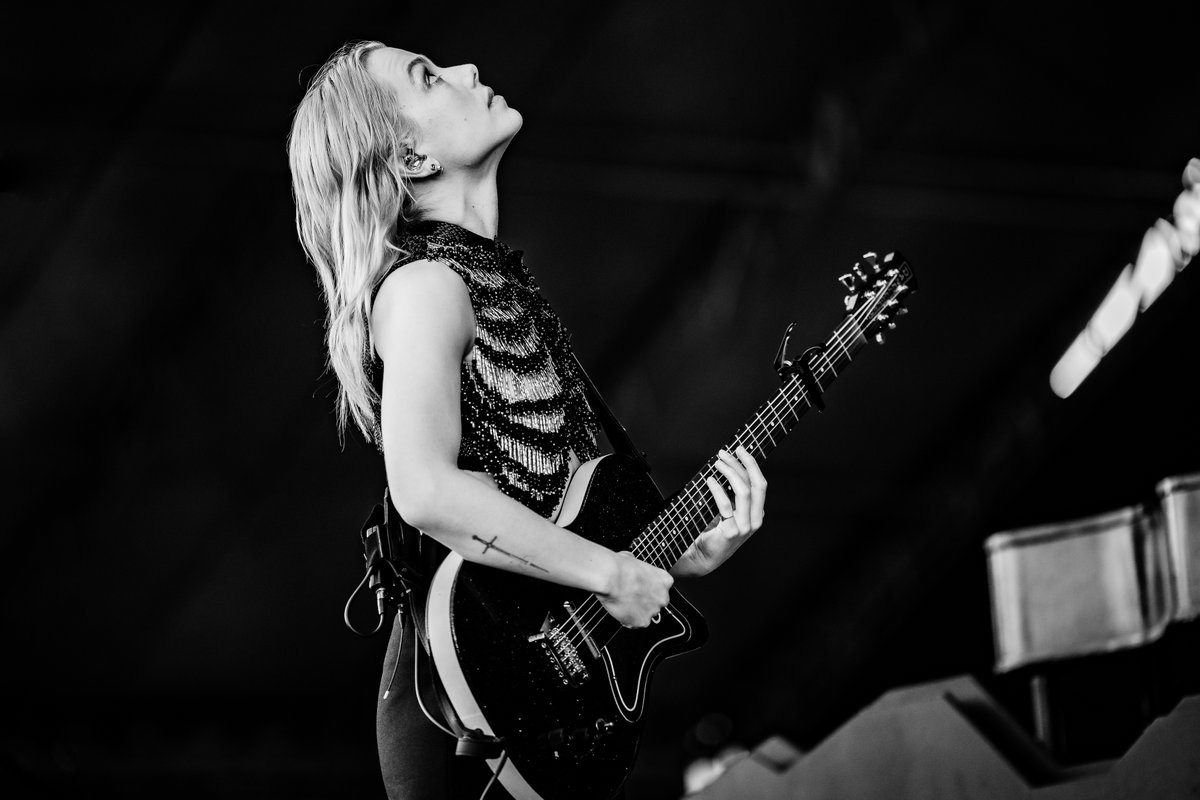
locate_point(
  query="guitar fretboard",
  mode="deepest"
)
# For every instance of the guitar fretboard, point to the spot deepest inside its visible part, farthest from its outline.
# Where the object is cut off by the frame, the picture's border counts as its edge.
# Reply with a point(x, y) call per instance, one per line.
point(691, 509)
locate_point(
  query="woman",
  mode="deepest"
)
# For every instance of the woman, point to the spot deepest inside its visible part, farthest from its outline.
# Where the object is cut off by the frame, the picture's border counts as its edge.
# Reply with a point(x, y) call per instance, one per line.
point(450, 361)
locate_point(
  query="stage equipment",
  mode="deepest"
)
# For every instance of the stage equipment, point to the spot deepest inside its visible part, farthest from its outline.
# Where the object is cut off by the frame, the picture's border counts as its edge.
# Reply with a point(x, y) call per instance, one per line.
point(1180, 515)
point(1086, 586)
point(950, 739)
point(1096, 584)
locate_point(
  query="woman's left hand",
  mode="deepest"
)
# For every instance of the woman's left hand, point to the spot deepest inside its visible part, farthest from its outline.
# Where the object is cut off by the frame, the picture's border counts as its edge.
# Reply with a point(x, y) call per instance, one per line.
point(738, 518)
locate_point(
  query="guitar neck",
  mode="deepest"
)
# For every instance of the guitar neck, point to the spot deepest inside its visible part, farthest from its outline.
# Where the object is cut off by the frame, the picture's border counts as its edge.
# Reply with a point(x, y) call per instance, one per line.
point(690, 510)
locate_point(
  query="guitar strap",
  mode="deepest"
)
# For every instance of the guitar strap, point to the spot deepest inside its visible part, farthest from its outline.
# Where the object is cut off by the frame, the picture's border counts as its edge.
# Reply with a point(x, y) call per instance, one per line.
point(618, 437)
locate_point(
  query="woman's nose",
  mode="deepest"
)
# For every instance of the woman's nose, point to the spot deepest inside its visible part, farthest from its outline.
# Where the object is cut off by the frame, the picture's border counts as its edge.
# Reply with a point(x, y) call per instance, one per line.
point(470, 73)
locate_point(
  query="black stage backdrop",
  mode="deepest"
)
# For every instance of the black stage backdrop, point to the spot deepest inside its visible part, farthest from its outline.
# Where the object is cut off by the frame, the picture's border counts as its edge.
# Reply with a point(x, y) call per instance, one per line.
point(179, 523)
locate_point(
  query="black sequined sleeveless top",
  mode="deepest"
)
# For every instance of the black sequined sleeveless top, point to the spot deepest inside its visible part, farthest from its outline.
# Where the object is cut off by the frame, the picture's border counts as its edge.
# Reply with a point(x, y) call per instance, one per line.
point(522, 398)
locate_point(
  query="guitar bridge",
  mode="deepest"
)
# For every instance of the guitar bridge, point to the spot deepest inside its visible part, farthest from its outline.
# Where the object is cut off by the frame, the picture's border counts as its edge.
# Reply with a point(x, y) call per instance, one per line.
point(563, 652)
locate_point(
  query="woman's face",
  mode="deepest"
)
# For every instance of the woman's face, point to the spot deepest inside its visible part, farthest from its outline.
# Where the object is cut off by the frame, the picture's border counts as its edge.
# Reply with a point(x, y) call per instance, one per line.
point(460, 122)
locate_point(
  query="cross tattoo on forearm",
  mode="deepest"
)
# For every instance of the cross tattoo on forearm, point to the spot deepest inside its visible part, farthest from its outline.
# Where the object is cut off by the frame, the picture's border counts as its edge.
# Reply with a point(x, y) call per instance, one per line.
point(491, 545)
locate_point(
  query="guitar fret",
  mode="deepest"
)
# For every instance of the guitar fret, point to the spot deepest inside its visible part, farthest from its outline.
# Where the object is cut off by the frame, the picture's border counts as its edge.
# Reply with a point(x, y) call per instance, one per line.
point(775, 414)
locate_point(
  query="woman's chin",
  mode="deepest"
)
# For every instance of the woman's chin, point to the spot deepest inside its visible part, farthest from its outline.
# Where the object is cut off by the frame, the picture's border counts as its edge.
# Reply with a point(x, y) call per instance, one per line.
point(520, 120)
point(512, 123)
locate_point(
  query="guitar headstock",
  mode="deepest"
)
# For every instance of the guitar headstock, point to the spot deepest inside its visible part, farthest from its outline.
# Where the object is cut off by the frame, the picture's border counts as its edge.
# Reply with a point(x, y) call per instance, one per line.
point(877, 290)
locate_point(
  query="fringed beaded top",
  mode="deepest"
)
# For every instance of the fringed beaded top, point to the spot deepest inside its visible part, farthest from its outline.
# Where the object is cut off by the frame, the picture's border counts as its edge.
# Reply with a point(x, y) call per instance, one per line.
point(523, 404)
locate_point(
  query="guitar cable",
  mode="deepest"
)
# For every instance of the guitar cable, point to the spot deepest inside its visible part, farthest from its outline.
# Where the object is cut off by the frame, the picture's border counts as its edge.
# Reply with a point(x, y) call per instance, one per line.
point(496, 774)
point(399, 655)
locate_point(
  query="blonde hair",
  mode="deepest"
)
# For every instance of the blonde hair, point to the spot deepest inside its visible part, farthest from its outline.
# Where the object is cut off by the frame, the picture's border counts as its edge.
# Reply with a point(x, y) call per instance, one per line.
point(346, 151)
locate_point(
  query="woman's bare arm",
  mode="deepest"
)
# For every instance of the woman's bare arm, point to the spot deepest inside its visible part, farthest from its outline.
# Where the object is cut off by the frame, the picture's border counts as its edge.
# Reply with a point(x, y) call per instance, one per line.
point(423, 326)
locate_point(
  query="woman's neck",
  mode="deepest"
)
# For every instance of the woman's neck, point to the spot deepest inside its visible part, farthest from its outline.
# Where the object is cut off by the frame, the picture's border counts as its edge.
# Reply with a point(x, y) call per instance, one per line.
point(465, 199)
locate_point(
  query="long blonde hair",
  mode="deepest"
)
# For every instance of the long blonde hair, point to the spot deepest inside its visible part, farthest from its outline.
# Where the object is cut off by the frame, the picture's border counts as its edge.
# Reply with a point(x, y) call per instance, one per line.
point(346, 150)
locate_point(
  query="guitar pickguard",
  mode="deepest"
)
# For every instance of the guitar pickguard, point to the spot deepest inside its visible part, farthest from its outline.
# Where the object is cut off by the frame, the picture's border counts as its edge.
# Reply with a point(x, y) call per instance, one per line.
point(629, 682)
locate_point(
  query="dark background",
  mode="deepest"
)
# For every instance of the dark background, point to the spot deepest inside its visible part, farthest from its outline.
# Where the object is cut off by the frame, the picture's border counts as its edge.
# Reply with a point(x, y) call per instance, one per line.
point(179, 521)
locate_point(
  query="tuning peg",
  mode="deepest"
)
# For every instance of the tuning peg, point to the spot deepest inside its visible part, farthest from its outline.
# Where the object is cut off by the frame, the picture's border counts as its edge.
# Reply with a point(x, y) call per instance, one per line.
point(901, 311)
point(891, 326)
point(879, 338)
point(848, 281)
point(872, 261)
point(858, 270)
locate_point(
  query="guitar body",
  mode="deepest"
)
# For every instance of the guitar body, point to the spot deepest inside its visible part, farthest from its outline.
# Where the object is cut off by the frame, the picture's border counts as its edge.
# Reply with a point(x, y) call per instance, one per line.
point(516, 663)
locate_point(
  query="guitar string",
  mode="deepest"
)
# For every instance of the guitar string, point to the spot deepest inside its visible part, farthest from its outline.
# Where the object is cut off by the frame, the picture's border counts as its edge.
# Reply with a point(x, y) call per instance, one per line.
point(692, 493)
point(673, 522)
point(594, 616)
point(838, 341)
point(694, 490)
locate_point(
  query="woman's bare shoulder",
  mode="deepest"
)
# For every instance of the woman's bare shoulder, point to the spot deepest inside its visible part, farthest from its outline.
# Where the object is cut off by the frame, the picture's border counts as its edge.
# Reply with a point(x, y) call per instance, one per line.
point(423, 278)
point(425, 296)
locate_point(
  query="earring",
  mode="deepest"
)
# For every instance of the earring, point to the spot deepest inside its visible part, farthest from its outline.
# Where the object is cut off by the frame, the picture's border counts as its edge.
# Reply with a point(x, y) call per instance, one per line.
point(413, 162)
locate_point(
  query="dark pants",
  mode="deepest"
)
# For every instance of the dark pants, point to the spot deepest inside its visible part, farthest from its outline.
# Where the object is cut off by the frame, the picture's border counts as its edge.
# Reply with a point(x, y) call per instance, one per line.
point(417, 759)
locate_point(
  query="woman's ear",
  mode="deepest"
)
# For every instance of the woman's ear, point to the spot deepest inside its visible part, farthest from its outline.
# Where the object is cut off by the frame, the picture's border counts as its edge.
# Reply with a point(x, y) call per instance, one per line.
point(420, 166)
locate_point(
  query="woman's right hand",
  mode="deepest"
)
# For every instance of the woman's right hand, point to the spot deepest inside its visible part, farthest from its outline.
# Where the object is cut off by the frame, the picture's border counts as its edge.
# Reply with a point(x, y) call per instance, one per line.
point(639, 591)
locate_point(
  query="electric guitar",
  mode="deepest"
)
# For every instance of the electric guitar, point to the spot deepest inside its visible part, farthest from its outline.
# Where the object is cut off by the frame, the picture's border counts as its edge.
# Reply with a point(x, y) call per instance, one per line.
point(545, 668)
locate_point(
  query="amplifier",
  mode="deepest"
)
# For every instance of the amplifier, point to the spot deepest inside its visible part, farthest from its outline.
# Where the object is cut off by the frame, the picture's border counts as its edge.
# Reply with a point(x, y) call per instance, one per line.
point(1180, 516)
point(1085, 586)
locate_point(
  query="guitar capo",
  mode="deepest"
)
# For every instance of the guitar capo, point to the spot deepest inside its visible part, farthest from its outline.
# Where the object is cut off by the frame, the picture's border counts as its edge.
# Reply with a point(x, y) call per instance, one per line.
point(801, 367)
